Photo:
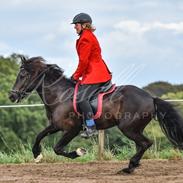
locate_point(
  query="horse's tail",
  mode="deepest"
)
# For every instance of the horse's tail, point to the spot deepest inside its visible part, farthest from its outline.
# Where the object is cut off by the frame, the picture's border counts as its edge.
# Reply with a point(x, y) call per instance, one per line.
point(170, 122)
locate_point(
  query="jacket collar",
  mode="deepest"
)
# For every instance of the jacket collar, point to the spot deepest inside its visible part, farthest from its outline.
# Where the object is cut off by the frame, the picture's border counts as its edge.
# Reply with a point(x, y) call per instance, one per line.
point(83, 32)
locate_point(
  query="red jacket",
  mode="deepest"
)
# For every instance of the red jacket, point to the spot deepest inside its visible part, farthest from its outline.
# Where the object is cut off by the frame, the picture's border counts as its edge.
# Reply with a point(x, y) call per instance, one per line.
point(91, 66)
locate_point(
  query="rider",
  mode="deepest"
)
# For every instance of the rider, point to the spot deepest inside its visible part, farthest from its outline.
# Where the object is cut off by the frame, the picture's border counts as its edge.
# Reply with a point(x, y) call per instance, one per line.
point(91, 68)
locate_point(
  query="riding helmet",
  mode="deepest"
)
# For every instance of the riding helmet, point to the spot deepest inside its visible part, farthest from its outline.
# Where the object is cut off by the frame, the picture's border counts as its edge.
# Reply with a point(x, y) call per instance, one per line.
point(82, 18)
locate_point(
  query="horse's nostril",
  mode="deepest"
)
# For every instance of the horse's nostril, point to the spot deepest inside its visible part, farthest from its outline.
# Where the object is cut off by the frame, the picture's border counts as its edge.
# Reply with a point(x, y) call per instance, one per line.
point(12, 96)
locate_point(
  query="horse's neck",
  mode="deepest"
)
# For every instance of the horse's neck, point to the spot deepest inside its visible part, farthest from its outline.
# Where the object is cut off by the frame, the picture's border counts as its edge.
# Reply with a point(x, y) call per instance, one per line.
point(57, 91)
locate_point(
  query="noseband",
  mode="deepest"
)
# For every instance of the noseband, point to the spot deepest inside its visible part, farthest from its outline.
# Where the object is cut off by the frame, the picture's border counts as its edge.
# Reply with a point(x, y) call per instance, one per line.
point(24, 93)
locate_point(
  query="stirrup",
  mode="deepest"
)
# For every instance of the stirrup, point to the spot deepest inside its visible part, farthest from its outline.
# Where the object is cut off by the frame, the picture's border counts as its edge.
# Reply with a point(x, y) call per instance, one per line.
point(89, 132)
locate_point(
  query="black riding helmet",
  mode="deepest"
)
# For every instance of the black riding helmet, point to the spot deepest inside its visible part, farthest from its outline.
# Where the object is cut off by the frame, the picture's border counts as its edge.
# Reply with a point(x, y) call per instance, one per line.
point(82, 18)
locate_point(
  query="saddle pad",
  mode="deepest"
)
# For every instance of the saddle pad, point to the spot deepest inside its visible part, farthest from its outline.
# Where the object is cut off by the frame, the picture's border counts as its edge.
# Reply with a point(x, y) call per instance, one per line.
point(96, 103)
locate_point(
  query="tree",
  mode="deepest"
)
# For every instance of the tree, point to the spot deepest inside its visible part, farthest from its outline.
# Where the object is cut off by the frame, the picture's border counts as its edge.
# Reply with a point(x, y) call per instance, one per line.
point(160, 88)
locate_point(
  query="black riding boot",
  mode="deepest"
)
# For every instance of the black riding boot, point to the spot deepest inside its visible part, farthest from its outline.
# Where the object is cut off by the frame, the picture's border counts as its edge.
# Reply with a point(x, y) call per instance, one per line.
point(90, 129)
point(84, 95)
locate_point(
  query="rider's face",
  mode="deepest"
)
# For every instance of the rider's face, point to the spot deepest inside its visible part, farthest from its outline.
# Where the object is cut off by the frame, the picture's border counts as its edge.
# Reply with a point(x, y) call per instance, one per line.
point(78, 27)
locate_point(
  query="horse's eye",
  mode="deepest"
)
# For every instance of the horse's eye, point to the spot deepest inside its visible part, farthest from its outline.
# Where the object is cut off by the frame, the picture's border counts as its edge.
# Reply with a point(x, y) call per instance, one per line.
point(23, 73)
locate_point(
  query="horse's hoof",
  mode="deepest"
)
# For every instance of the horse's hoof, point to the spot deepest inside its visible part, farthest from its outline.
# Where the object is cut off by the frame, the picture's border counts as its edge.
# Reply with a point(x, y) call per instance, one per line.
point(123, 171)
point(128, 170)
point(80, 152)
point(38, 159)
point(137, 165)
point(120, 172)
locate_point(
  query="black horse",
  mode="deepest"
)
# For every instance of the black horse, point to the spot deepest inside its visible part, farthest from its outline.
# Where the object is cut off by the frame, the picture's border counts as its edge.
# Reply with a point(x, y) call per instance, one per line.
point(128, 107)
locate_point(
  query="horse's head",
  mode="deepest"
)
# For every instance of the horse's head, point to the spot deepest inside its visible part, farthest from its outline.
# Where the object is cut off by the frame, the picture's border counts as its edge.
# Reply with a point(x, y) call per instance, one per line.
point(29, 76)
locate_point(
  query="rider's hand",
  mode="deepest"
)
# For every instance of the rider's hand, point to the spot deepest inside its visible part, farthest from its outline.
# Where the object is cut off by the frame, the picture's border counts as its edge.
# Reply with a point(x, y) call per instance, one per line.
point(73, 80)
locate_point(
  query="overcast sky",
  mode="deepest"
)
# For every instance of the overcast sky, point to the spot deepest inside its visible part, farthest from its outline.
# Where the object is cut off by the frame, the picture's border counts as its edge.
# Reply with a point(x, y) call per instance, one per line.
point(141, 40)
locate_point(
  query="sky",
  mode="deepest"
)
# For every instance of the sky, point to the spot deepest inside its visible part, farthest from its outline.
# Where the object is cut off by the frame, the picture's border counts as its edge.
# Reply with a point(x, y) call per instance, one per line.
point(141, 40)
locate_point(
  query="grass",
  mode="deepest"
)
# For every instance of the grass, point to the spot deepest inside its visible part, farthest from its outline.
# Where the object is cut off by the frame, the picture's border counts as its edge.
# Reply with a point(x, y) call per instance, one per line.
point(161, 149)
point(25, 155)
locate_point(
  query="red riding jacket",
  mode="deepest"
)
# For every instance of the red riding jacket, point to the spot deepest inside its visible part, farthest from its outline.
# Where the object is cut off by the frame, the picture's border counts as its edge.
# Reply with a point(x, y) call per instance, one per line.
point(91, 67)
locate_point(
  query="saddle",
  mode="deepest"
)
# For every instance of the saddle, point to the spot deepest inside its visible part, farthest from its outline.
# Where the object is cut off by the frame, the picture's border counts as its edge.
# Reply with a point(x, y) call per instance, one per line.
point(96, 100)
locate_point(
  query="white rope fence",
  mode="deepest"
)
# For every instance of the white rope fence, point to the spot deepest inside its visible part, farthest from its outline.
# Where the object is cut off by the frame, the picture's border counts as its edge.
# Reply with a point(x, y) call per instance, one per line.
point(174, 100)
point(38, 105)
point(18, 106)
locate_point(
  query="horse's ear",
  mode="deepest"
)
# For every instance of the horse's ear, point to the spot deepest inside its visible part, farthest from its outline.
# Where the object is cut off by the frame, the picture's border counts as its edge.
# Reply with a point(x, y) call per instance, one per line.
point(23, 59)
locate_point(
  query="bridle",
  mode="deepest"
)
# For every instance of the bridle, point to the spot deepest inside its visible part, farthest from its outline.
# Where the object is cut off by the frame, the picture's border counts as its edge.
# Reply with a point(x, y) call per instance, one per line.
point(22, 94)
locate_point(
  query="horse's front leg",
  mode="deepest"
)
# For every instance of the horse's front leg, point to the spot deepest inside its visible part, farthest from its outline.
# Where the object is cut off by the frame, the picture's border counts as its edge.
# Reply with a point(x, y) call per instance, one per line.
point(37, 147)
point(66, 138)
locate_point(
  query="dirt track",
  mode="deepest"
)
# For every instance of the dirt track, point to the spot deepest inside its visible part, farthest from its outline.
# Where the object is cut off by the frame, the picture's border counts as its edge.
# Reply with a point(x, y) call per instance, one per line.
point(96, 172)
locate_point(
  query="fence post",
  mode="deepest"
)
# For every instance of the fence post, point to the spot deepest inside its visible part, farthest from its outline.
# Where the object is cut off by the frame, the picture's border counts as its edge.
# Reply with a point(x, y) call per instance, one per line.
point(101, 145)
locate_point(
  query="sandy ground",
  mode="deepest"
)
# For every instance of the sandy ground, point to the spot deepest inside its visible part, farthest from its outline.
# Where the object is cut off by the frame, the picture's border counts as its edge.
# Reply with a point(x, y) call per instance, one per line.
point(96, 172)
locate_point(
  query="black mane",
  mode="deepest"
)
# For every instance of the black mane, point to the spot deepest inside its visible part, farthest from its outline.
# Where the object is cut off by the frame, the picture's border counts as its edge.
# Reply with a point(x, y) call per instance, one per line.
point(32, 59)
point(53, 71)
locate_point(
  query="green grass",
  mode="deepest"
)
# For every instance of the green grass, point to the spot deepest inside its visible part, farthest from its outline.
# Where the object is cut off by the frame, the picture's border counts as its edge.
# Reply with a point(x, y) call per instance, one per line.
point(161, 149)
point(125, 153)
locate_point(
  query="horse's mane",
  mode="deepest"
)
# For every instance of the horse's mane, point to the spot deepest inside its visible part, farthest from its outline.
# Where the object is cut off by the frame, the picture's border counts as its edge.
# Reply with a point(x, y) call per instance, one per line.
point(53, 70)
point(39, 58)
point(57, 72)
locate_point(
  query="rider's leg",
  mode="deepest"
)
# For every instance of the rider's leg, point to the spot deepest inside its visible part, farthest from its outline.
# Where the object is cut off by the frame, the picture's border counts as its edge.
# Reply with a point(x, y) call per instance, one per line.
point(90, 129)
point(84, 95)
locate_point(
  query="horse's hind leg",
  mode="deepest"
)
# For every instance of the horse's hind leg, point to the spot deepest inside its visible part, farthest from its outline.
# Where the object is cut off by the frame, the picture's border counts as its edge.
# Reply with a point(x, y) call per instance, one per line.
point(142, 145)
point(134, 133)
